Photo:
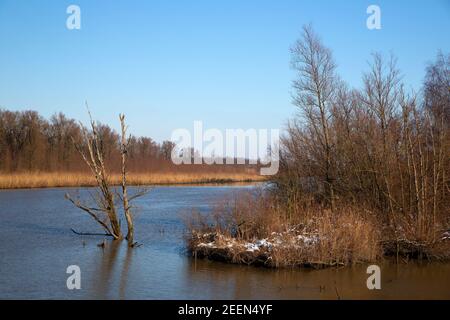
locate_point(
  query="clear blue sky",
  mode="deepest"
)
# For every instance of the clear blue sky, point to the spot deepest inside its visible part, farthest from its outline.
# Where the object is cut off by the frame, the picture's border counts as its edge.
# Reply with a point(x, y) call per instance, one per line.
point(168, 63)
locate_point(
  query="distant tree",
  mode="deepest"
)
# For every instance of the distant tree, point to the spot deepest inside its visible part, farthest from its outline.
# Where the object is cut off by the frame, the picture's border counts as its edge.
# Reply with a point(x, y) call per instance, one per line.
point(166, 149)
point(62, 152)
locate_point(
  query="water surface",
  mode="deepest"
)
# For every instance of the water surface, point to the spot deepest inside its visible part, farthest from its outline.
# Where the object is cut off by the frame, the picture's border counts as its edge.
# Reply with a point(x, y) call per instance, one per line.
point(36, 247)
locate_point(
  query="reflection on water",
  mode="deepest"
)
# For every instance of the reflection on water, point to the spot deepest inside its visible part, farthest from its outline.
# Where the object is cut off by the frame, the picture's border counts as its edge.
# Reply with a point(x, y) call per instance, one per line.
point(36, 246)
point(111, 264)
point(410, 281)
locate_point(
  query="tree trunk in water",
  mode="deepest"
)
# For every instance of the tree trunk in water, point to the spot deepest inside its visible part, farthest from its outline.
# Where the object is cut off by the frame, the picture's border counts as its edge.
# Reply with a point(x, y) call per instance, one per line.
point(126, 205)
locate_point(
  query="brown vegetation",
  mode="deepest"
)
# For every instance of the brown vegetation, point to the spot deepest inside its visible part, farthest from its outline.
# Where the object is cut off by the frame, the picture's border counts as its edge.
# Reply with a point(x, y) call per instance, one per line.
point(83, 179)
point(254, 229)
point(30, 144)
point(35, 153)
point(367, 169)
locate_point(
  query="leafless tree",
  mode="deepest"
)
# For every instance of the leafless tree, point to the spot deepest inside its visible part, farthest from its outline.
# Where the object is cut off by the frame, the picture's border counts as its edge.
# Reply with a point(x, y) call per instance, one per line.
point(437, 88)
point(106, 213)
point(378, 147)
point(380, 99)
point(126, 199)
point(90, 149)
point(315, 89)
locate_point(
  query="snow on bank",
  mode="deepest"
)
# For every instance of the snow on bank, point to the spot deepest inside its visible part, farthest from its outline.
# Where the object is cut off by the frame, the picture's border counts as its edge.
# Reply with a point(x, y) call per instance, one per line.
point(287, 239)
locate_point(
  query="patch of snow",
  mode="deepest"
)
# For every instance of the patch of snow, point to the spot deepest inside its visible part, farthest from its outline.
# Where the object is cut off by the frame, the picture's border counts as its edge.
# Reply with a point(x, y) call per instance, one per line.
point(251, 247)
point(308, 240)
point(209, 245)
point(264, 243)
point(258, 245)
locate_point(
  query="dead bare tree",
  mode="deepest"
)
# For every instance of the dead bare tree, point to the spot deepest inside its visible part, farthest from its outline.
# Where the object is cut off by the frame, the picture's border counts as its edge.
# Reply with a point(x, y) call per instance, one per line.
point(91, 151)
point(126, 200)
point(106, 213)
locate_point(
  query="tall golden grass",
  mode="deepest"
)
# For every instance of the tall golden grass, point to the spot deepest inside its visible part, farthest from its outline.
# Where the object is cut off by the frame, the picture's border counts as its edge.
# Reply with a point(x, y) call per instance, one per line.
point(65, 179)
point(348, 235)
point(344, 237)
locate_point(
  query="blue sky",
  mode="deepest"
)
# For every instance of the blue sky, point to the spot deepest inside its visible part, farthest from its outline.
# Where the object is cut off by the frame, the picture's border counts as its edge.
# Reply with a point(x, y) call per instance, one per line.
point(168, 63)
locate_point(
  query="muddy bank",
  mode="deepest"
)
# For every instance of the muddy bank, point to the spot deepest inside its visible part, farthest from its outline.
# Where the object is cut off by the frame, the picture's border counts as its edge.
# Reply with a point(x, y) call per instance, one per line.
point(295, 249)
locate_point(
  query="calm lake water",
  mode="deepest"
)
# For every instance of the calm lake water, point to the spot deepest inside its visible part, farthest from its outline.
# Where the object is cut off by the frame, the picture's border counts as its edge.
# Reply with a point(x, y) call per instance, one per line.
point(37, 246)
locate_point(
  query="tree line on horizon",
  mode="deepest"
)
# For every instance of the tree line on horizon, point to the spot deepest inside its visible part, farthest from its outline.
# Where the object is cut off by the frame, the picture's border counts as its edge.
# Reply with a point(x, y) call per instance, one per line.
point(31, 143)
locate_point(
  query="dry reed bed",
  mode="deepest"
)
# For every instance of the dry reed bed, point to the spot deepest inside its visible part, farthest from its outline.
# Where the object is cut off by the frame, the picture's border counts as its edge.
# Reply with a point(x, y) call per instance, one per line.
point(254, 231)
point(263, 236)
point(48, 180)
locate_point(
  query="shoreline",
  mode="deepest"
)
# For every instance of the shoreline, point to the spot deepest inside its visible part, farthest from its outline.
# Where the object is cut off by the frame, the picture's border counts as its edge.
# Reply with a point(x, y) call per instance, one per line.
point(45, 180)
point(263, 252)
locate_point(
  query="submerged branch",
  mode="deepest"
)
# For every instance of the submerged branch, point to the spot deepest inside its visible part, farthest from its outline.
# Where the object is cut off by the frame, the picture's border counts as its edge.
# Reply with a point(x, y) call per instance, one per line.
point(90, 211)
point(91, 234)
